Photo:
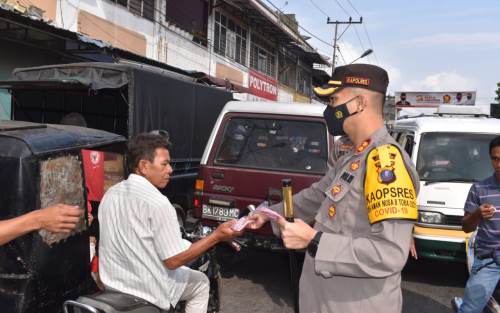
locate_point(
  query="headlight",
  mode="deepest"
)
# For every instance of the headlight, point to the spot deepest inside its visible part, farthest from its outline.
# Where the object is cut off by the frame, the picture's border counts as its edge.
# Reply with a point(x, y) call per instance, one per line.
point(430, 217)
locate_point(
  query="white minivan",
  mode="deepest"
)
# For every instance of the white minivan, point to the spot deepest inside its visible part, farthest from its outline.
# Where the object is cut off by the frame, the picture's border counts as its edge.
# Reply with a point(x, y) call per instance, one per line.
point(451, 151)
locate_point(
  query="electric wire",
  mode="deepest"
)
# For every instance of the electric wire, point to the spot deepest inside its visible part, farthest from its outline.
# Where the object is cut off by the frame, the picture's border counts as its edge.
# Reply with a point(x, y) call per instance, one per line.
point(301, 27)
point(343, 9)
point(319, 9)
point(365, 30)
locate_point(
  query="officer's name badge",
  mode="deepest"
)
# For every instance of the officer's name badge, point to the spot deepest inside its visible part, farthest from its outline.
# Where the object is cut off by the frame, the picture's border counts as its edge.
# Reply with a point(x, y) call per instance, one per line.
point(347, 177)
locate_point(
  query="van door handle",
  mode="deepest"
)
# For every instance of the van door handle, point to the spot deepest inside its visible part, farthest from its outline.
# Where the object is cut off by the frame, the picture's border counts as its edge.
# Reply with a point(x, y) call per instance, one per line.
point(218, 175)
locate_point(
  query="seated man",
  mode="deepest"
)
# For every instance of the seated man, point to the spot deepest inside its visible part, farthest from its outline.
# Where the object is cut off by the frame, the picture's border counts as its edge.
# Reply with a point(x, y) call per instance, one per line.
point(141, 249)
point(481, 213)
point(59, 218)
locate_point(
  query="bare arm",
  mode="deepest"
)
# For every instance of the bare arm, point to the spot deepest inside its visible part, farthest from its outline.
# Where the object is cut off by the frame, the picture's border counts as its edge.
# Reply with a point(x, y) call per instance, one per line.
point(18, 226)
point(56, 218)
point(222, 233)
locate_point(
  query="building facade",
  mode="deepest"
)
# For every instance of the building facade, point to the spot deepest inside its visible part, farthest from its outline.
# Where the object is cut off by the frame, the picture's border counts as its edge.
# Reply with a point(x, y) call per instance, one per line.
point(241, 44)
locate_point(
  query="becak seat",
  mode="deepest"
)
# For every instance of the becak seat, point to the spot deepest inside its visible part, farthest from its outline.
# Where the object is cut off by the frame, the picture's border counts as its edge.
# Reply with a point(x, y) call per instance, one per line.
point(110, 302)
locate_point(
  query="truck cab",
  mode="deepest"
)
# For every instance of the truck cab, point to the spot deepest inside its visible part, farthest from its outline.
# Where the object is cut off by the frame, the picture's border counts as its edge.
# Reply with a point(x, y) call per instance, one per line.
point(450, 152)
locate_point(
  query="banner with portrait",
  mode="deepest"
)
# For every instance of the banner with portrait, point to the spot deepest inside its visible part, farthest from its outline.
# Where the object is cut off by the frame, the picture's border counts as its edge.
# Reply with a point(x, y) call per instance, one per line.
point(434, 99)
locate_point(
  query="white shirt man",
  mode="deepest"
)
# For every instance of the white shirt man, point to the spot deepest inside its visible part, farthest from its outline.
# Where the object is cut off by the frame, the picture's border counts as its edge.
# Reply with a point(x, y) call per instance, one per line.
point(141, 249)
point(139, 229)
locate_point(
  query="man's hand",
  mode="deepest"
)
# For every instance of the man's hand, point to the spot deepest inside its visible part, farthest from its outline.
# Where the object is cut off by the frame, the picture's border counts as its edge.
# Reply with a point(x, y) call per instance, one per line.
point(257, 220)
point(296, 235)
point(413, 249)
point(225, 232)
point(471, 220)
point(222, 233)
point(486, 211)
point(59, 218)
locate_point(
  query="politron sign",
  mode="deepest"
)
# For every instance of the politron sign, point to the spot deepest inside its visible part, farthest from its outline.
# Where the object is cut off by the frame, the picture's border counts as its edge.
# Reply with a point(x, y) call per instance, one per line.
point(262, 86)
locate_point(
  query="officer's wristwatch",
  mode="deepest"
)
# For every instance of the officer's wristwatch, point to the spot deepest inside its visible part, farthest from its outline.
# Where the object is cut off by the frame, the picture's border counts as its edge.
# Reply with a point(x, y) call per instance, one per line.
point(312, 247)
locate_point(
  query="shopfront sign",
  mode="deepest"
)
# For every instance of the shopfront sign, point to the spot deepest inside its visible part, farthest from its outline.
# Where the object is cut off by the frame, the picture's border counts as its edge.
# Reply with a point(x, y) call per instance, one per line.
point(263, 86)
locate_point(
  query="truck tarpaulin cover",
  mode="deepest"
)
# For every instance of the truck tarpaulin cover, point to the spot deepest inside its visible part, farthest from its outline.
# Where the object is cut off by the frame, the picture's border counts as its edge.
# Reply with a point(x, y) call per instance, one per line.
point(156, 99)
point(186, 110)
point(96, 77)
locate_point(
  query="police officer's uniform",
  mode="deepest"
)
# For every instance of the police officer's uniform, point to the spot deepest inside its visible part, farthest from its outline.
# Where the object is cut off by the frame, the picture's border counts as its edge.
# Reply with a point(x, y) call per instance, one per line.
point(365, 206)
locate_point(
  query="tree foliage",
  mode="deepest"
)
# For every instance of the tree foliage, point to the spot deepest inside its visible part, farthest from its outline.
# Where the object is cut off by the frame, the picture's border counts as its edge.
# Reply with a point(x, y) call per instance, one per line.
point(497, 98)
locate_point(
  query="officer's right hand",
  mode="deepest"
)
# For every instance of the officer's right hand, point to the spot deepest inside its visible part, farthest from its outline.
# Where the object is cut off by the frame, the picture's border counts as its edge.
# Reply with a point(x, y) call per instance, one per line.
point(486, 211)
point(257, 220)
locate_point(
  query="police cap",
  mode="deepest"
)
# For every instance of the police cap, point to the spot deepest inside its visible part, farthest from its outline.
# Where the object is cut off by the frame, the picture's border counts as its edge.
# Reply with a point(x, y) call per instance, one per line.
point(365, 76)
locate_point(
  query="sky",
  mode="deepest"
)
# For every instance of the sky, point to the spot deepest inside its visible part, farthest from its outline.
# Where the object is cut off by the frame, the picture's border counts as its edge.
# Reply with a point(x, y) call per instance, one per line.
point(439, 45)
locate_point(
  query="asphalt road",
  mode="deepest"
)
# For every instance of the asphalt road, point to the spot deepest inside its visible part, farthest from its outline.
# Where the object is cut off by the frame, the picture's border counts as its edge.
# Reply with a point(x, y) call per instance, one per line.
point(257, 281)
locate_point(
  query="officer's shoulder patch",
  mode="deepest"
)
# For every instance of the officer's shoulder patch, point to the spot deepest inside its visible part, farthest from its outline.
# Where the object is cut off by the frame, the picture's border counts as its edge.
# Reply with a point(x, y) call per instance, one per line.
point(389, 189)
point(384, 159)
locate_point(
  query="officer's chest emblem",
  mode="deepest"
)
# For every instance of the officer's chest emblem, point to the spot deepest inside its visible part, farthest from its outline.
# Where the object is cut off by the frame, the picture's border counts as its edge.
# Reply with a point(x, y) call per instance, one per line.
point(336, 189)
point(363, 146)
point(355, 165)
point(332, 211)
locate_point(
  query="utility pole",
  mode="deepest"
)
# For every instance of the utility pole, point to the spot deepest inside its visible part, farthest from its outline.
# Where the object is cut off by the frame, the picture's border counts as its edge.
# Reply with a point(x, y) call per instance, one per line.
point(337, 23)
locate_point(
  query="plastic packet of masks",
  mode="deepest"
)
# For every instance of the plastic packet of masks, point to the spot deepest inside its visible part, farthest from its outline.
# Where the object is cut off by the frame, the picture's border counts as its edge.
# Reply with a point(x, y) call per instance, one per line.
point(263, 208)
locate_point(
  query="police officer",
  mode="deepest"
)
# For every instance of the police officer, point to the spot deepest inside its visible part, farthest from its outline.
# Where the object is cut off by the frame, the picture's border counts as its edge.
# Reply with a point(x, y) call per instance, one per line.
point(362, 210)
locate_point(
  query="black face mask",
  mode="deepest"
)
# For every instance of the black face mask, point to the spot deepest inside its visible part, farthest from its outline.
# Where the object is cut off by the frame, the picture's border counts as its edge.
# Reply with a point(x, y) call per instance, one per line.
point(336, 116)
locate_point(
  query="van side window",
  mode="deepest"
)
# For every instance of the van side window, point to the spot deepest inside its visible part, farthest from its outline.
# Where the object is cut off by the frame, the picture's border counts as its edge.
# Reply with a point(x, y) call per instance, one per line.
point(405, 139)
point(408, 144)
point(284, 145)
point(400, 138)
point(395, 134)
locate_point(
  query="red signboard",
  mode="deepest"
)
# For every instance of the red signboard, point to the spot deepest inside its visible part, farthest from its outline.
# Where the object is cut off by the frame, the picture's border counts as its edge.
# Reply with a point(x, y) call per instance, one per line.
point(93, 168)
point(263, 86)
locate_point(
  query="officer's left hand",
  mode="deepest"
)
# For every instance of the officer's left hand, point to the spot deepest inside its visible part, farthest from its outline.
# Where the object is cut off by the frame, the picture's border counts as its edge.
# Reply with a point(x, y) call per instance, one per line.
point(296, 235)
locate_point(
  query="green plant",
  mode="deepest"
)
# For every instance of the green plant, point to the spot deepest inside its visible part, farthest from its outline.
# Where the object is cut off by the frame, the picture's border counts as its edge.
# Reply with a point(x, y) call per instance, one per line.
point(497, 98)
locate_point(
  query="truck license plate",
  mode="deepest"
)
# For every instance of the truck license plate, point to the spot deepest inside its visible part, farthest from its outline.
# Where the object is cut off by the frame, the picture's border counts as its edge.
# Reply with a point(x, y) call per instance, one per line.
point(218, 213)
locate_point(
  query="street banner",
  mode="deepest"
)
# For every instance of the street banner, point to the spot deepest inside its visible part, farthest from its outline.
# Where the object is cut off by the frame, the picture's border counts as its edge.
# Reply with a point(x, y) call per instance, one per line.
point(434, 99)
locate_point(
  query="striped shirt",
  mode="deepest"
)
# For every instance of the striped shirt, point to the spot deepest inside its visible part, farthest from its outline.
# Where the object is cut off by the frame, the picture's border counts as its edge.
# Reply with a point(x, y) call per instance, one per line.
point(138, 230)
point(488, 233)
